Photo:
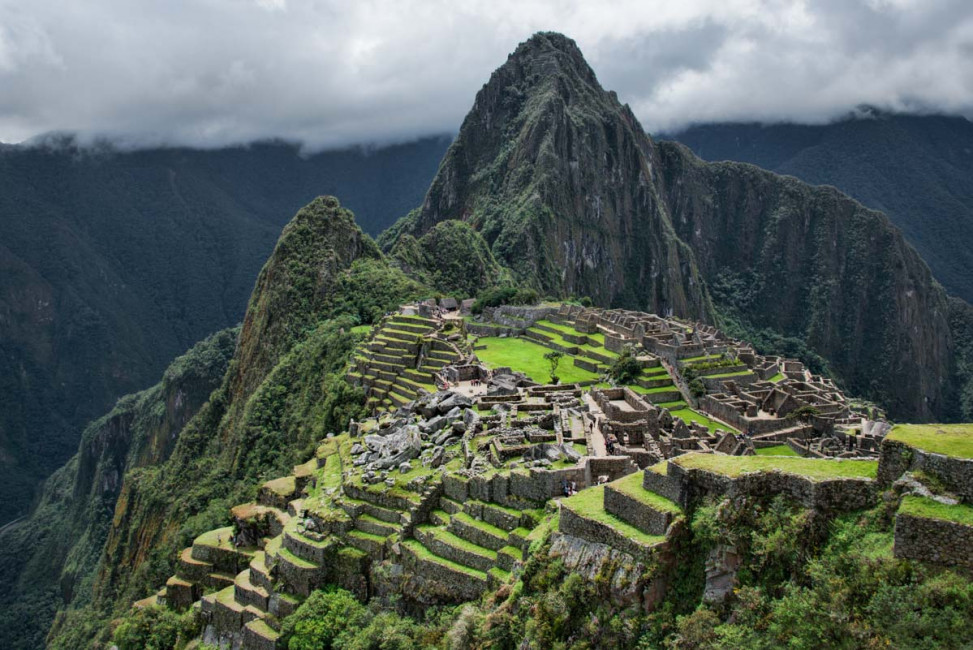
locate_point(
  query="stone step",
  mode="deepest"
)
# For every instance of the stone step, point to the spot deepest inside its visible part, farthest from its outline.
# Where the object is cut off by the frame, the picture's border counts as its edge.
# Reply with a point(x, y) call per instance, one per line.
point(259, 573)
point(439, 518)
point(247, 593)
point(399, 335)
point(181, 594)
point(464, 582)
point(509, 557)
point(493, 514)
point(278, 492)
point(191, 569)
point(584, 516)
point(372, 545)
point(258, 635)
point(405, 326)
point(398, 400)
point(402, 391)
point(297, 573)
point(627, 499)
point(307, 548)
point(497, 576)
point(374, 526)
point(284, 604)
point(450, 506)
point(478, 532)
point(354, 507)
point(518, 538)
point(218, 580)
point(443, 543)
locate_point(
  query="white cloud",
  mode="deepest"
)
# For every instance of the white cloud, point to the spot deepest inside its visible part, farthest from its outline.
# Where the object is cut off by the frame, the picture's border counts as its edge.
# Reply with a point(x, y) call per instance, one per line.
point(211, 72)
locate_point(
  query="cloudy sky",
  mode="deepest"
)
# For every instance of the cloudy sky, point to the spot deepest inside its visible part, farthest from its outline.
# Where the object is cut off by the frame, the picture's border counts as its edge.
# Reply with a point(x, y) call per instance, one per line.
point(333, 72)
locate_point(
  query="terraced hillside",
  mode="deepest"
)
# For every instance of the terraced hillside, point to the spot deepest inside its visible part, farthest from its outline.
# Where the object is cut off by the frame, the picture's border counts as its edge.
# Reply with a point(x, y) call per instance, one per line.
point(442, 496)
point(402, 359)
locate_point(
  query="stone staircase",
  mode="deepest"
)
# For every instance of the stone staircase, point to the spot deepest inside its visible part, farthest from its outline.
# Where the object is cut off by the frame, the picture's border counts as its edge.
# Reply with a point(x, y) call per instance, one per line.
point(401, 361)
point(472, 545)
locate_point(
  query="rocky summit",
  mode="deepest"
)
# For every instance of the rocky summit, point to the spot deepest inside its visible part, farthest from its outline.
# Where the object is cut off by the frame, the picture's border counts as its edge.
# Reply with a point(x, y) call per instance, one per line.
point(594, 392)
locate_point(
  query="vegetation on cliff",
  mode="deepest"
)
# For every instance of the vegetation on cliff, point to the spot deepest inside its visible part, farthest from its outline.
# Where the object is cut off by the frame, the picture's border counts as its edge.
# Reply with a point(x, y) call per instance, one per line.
point(284, 390)
point(51, 559)
point(115, 262)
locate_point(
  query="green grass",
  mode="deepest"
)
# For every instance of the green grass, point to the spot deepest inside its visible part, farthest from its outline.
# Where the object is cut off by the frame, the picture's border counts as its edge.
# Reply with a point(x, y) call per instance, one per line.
point(812, 468)
point(661, 468)
point(456, 541)
point(483, 526)
point(560, 340)
point(776, 378)
point(949, 439)
point(425, 554)
point(528, 357)
point(361, 329)
point(590, 504)
point(652, 391)
point(776, 450)
point(739, 373)
point(917, 506)
point(631, 486)
point(672, 406)
point(688, 415)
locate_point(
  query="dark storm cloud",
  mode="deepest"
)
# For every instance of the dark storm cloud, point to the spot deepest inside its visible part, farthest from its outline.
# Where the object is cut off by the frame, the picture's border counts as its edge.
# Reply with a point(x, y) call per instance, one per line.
point(211, 72)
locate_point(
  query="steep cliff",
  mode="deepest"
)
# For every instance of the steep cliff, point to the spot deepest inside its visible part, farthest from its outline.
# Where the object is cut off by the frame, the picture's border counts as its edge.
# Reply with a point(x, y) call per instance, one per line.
point(49, 559)
point(811, 263)
point(574, 198)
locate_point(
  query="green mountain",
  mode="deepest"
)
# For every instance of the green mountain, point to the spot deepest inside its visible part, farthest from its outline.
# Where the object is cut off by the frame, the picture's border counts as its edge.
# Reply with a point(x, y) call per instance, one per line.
point(575, 198)
point(915, 168)
point(727, 241)
point(112, 263)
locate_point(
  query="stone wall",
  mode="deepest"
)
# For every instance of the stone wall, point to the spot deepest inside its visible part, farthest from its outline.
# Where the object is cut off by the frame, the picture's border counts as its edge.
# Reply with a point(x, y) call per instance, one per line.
point(578, 526)
point(898, 458)
point(637, 513)
point(933, 540)
point(833, 495)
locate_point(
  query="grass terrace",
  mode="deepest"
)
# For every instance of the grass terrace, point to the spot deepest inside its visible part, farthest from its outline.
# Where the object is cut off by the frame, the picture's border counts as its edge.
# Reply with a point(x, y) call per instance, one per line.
point(528, 357)
point(631, 486)
point(590, 504)
point(949, 439)
point(816, 469)
point(688, 415)
point(917, 506)
point(776, 450)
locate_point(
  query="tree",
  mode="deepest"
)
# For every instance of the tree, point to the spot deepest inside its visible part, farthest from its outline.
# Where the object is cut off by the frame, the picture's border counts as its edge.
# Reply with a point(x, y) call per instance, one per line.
point(554, 360)
point(626, 368)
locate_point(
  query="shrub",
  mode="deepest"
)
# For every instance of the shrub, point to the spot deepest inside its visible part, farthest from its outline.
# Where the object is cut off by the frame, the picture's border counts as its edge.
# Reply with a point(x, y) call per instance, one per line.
point(626, 367)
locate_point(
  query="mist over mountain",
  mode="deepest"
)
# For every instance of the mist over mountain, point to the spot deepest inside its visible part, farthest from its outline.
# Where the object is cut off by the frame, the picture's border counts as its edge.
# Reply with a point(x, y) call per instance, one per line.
point(113, 262)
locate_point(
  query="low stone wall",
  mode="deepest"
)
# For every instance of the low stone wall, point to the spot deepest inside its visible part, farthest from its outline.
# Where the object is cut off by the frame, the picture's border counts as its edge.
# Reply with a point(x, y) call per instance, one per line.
point(933, 540)
point(898, 458)
point(637, 513)
point(668, 486)
point(590, 366)
point(573, 524)
point(488, 329)
point(457, 586)
point(833, 495)
point(614, 467)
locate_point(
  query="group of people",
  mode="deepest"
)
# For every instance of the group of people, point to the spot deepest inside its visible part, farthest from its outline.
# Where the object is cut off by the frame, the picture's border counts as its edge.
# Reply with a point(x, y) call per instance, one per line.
point(570, 488)
point(611, 442)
